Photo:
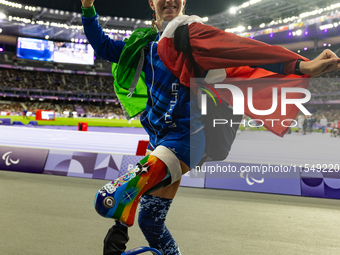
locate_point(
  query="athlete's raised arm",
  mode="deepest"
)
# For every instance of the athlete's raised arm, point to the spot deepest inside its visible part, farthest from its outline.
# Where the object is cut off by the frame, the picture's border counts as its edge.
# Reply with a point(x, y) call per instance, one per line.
point(102, 44)
point(87, 3)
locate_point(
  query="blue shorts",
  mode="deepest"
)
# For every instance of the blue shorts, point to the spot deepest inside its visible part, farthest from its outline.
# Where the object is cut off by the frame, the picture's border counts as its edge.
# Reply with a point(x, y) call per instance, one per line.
point(189, 149)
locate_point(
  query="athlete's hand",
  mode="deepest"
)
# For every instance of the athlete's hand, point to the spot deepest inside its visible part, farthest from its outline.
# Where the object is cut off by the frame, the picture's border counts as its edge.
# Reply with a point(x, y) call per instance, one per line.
point(327, 61)
point(87, 3)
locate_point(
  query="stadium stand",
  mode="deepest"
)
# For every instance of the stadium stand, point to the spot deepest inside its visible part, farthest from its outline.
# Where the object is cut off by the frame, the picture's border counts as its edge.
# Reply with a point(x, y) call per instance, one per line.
point(31, 84)
point(21, 79)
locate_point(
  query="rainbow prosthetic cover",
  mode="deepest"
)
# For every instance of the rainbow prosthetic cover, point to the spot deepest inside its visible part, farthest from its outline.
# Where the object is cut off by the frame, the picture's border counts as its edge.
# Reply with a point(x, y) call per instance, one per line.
point(119, 199)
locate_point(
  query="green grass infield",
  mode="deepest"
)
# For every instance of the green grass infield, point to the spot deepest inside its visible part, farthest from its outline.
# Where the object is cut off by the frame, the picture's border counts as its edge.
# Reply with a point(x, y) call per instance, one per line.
point(94, 122)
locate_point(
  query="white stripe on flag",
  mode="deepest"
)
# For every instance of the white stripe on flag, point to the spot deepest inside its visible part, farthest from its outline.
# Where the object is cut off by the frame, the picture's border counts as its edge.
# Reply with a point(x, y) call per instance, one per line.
point(179, 21)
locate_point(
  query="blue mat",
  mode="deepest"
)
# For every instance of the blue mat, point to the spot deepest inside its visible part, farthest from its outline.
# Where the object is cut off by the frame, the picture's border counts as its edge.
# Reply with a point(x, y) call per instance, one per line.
point(17, 123)
point(5, 121)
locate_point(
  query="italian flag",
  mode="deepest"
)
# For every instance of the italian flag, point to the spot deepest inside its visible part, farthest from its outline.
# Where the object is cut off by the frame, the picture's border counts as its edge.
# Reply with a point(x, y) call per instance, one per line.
point(228, 59)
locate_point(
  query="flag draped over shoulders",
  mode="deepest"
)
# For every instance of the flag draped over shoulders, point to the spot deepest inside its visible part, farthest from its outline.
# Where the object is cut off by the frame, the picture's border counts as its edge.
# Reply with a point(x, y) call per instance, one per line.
point(226, 56)
point(129, 79)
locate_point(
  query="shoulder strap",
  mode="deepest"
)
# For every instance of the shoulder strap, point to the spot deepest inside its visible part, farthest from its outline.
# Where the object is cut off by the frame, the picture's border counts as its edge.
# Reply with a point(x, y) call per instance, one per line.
point(182, 44)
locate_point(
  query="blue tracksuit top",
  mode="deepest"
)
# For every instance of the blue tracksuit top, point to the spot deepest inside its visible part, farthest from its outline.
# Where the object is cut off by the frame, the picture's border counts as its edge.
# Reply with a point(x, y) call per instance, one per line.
point(169, 109)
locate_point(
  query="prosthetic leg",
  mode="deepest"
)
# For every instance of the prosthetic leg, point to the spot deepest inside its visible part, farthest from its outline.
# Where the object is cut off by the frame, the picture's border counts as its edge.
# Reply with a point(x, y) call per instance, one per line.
point(119, 199)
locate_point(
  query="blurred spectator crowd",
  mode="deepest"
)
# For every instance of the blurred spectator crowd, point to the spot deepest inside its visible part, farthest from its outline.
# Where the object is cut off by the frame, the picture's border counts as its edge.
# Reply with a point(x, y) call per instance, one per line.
point(330, 115)
point(16, 78)
point(326, 83)
point(323, 88)
point(13, 78)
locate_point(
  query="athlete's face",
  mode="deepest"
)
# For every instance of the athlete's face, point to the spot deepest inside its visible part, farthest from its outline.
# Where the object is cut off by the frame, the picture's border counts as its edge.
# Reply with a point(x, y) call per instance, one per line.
point(166, 10)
